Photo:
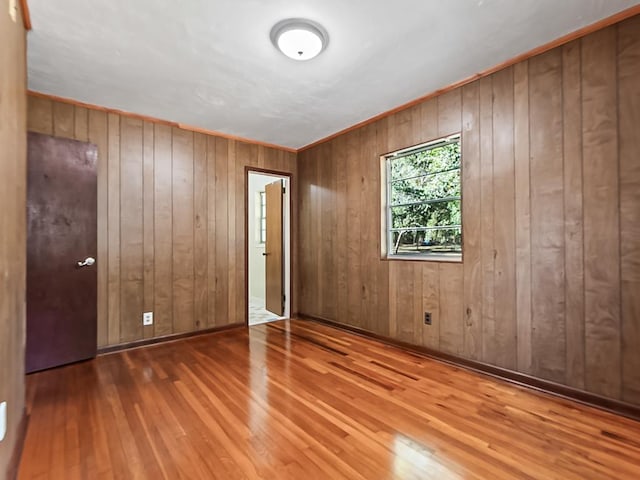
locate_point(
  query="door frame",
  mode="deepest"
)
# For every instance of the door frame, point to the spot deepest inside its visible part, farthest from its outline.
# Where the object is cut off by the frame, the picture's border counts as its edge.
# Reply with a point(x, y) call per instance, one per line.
point(265, 171)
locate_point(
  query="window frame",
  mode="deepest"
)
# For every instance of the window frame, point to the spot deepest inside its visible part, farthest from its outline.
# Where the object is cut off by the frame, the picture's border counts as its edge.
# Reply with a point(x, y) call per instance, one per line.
point(386, 243)
point(262, 217)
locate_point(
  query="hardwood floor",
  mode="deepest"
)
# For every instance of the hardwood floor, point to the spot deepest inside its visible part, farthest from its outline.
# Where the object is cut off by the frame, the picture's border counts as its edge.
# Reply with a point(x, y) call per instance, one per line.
point(302, 400)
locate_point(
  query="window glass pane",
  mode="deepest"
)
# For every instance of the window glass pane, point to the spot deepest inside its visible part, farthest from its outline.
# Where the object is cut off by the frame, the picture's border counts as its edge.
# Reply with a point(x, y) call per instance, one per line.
point(426, 215)
point(431, 187)
point(434, 160)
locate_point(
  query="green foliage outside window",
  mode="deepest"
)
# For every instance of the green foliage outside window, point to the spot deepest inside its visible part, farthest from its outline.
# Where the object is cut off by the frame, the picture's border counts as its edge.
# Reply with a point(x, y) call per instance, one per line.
point(424, 206)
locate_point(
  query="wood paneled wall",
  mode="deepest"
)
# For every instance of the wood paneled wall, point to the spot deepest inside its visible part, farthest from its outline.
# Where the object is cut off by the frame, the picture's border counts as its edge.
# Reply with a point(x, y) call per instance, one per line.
point(13, 197)
point(550, 280)
point(170, 219)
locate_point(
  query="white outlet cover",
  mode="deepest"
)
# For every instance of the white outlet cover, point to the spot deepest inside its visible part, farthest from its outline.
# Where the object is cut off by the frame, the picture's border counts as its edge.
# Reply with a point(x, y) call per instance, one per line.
point(3, 420)
point(147, 318)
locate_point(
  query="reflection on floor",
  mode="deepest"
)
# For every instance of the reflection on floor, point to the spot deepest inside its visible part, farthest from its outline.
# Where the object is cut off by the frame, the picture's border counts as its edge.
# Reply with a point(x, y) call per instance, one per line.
point(258, 314)
point(296, 400)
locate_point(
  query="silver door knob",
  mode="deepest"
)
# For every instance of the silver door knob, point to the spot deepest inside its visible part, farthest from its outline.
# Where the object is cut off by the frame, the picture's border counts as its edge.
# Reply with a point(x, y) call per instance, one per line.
point(87, 262)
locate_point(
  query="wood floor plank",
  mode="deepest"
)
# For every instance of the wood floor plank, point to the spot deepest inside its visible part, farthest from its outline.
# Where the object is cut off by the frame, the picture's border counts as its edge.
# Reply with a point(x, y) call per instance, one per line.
point(273, 401)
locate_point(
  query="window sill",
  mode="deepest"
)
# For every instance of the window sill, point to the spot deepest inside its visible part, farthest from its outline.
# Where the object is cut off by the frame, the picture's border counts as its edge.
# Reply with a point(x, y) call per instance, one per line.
point(422, 258)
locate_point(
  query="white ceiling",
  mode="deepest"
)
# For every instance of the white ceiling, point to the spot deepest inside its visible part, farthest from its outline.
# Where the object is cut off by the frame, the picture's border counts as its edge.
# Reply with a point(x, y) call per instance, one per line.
point(211, 64)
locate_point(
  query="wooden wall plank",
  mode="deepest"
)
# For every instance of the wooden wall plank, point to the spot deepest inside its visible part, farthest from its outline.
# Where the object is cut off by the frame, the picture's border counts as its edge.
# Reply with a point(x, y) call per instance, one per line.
point(148, 222)
point(81, 124)
point(504, 213)
point(304, 222)
point(383, 277)
point(370, 230)
point(246, 154)
point(487, 221)
point(232, 202)
point(523, 216)
point(321, 259)
point(324, 258)
point(63, 120)
point(629, 115)
point(393, 299)
point(573, 234)
point(40, 115)
point(405, 286)
point(221, 232)
point(291, 166)
point(547, 217)
point(431, 304)
point(417, 316)
point(471, 222)
point(429, 120)
point(182, 206)
point(601, 213)
point(211, 229)
point(340, 199)
point(400, 131)
point(163, 231)
point(113, 226)
point(449, 112)
point(200, 234)
point(131, 229)
point(451, 307)
point(353, 213)
point(98, 135)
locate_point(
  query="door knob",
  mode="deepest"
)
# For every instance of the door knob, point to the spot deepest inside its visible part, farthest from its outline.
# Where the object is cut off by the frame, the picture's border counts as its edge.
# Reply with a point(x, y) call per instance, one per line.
point(87, 262)
point(265, 254)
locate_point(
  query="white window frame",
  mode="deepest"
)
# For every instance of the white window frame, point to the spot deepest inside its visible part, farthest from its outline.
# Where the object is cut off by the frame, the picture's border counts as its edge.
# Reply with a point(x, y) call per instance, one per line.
point(387, 250)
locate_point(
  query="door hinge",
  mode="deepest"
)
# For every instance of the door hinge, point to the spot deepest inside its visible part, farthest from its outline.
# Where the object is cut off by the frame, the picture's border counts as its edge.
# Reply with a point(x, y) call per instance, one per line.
point(284, 190)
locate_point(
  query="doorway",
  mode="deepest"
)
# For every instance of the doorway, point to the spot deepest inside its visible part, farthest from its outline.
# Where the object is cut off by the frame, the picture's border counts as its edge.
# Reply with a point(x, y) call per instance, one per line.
point(268, 246)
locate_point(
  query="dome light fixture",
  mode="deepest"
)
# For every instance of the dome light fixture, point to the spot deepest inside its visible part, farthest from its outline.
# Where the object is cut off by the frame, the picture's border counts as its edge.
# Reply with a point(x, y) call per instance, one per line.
point(299, 38)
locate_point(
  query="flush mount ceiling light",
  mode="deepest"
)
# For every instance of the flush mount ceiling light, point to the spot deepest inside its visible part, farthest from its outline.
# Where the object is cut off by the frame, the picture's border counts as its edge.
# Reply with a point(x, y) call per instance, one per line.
point(299, 39)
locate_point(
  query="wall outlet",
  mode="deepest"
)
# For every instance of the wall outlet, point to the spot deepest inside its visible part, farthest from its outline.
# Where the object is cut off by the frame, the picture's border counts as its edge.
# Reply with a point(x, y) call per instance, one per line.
point(3, 420)
point(427, 318)
point(147, 318)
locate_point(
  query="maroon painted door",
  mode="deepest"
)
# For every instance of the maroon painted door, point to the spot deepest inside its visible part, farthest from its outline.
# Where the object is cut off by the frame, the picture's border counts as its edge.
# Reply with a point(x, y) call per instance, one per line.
point(61, 251)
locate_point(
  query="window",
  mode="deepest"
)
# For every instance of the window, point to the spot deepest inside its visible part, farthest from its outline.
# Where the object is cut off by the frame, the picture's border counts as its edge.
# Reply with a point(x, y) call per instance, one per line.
point(423, 201)
point(262, 217)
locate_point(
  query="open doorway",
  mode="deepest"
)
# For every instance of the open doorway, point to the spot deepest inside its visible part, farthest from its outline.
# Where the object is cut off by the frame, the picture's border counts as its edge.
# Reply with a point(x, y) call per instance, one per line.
point(268, 246)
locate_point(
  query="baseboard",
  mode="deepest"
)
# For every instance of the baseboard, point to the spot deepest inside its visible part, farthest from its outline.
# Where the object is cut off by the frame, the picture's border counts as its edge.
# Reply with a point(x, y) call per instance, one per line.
point(610, 405)
point(166, 338)
point(14, 462)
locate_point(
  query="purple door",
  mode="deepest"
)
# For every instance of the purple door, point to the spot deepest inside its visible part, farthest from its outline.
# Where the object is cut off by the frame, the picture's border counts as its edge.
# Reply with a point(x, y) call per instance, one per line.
point(61, 252)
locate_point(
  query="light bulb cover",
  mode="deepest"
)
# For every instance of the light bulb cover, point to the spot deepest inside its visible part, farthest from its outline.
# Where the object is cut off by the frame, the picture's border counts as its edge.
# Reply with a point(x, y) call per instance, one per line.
point(299, 39)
